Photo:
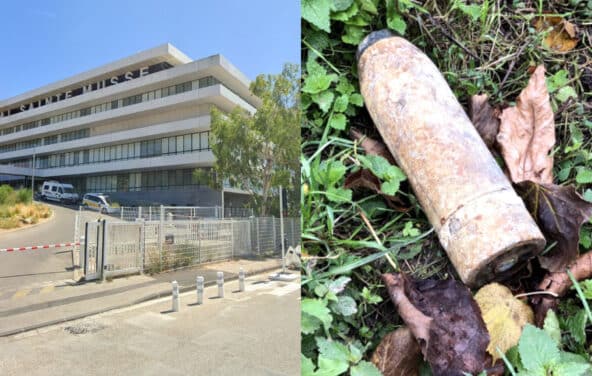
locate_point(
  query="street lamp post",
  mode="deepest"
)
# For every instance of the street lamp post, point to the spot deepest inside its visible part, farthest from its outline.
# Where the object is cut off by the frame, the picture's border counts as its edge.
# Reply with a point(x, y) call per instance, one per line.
point(33, 178)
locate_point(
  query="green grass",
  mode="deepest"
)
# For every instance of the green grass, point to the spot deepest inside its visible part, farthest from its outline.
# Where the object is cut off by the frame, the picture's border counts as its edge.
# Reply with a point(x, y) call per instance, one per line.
point(479, 49)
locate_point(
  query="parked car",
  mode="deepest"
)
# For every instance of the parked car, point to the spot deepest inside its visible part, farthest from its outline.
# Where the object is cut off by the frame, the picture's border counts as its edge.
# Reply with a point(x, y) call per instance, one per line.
point(60, 192)
point(98, 201)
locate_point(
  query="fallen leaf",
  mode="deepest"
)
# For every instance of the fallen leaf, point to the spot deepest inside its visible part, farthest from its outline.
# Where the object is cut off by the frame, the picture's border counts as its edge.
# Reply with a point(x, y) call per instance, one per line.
point(372, 146)
point(398, 354)
point(366, 179)
point(527, 133)
point(504, 316)
point(485, 118)
point(445, 320)
point(559, 284)
point(560, 212)
point(562, 37)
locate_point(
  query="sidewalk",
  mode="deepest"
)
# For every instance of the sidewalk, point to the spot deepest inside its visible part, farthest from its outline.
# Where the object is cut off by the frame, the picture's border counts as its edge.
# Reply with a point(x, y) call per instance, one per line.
point(76, 301)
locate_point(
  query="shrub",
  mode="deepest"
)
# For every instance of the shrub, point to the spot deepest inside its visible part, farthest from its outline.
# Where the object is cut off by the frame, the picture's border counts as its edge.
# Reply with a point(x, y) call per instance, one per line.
point(6, 195)
point(24, 196)
point(8, 223)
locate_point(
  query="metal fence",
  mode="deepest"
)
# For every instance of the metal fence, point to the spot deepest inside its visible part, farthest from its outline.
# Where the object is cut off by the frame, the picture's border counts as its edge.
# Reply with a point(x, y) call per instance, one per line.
point(154, 246)
point(174, 213)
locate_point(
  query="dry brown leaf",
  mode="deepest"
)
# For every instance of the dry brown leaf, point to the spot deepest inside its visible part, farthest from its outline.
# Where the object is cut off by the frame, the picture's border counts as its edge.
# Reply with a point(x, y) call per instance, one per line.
point(559, 283)
point(398, 354)
point(485, 118)
point(560, 212)
point(445, 320)
point(527, 133)
point(372, 146)
point(563, 36)
point(366, 179)
point(504, 316)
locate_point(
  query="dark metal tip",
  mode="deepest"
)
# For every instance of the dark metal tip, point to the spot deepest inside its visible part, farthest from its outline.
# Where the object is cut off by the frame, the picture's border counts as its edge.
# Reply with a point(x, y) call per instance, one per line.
point(372, 38)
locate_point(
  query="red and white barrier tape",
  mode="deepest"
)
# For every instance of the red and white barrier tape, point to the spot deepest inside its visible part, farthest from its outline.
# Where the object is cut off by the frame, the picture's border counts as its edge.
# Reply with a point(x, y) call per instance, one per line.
point(39, 247)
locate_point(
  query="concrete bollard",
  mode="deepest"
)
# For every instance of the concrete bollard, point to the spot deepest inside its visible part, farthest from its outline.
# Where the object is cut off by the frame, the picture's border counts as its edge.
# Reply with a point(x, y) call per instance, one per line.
point(199, 283)
point(241, 280)
point(481, 222)
point(175, 296)
point(220, 281)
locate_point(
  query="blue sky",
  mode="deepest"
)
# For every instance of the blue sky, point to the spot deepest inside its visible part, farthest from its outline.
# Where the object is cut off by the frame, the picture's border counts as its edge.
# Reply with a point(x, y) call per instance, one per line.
point(45, 41)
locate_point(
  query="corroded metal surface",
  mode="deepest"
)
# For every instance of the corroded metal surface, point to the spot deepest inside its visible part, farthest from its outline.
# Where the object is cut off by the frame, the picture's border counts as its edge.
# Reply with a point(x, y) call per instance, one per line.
point(481, 222)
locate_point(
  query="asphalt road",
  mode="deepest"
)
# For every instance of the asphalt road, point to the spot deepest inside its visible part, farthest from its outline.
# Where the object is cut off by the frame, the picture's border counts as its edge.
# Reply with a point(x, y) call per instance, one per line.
point(252, 333)
point(22, 268)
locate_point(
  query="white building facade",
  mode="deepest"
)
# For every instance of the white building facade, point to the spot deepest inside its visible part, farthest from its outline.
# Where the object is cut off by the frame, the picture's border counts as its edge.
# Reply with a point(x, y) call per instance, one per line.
point(135, 129)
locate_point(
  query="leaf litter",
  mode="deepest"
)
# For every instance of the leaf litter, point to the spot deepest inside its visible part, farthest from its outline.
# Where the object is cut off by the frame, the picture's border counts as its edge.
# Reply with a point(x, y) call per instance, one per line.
point(457, 333)
point(444, 318)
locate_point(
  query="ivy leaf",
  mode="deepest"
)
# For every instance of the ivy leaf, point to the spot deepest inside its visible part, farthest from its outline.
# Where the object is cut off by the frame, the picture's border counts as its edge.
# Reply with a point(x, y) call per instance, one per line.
point(344, 86)
point(584, 176)
point(537, 349)
point(337, 286)
point(329, 172)
point(369, 297)
point(356, 99)
point(558, 80)
point(317, 308)
point(339, 195)
point(364, 368)
point(317, 13)
point(306, 366)
point(394, 20)
point(353, 35)
point(390, 187)
point(341, 103)
point(338, 121)
point(586, 287)
point(339, 5)
point(331, 367)
point(473, 10)
point(347, 14)
point(551, 326)
point(332, 349)
point(317, 83)
point(324, 100)
point(570, 369)
point(309, 324)
point(345, 306)
point(504, 316)
point(559, 211)
point(576, 325)
point(565, 93)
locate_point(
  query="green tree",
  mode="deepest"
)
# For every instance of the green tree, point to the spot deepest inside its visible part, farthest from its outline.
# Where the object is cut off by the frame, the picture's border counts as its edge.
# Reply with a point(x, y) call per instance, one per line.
point(259, 152)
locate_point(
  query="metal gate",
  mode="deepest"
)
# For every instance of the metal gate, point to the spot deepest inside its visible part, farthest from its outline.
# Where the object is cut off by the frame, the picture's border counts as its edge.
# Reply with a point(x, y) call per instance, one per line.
point(93, 250)
point(124, 248)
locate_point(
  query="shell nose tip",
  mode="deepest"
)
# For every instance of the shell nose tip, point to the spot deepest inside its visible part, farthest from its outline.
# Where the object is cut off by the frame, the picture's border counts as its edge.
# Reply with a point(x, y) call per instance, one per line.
point(372, 38)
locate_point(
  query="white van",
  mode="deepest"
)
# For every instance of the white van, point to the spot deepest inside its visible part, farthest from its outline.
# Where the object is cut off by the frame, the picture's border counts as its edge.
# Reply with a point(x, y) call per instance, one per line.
point(56, 191)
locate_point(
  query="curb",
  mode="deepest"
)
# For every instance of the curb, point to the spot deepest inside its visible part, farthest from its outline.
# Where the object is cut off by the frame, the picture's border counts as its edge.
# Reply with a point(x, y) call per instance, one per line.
point(147, 298)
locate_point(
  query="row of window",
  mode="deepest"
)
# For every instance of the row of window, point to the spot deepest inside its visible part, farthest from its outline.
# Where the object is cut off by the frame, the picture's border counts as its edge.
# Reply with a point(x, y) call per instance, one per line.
point(140, 181)
point(48, 140)
point(150, 148)
point(111, 105)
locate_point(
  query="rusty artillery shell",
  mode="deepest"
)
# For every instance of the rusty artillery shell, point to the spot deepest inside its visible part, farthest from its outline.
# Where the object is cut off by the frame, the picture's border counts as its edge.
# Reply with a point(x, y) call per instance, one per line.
point(481, 222)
